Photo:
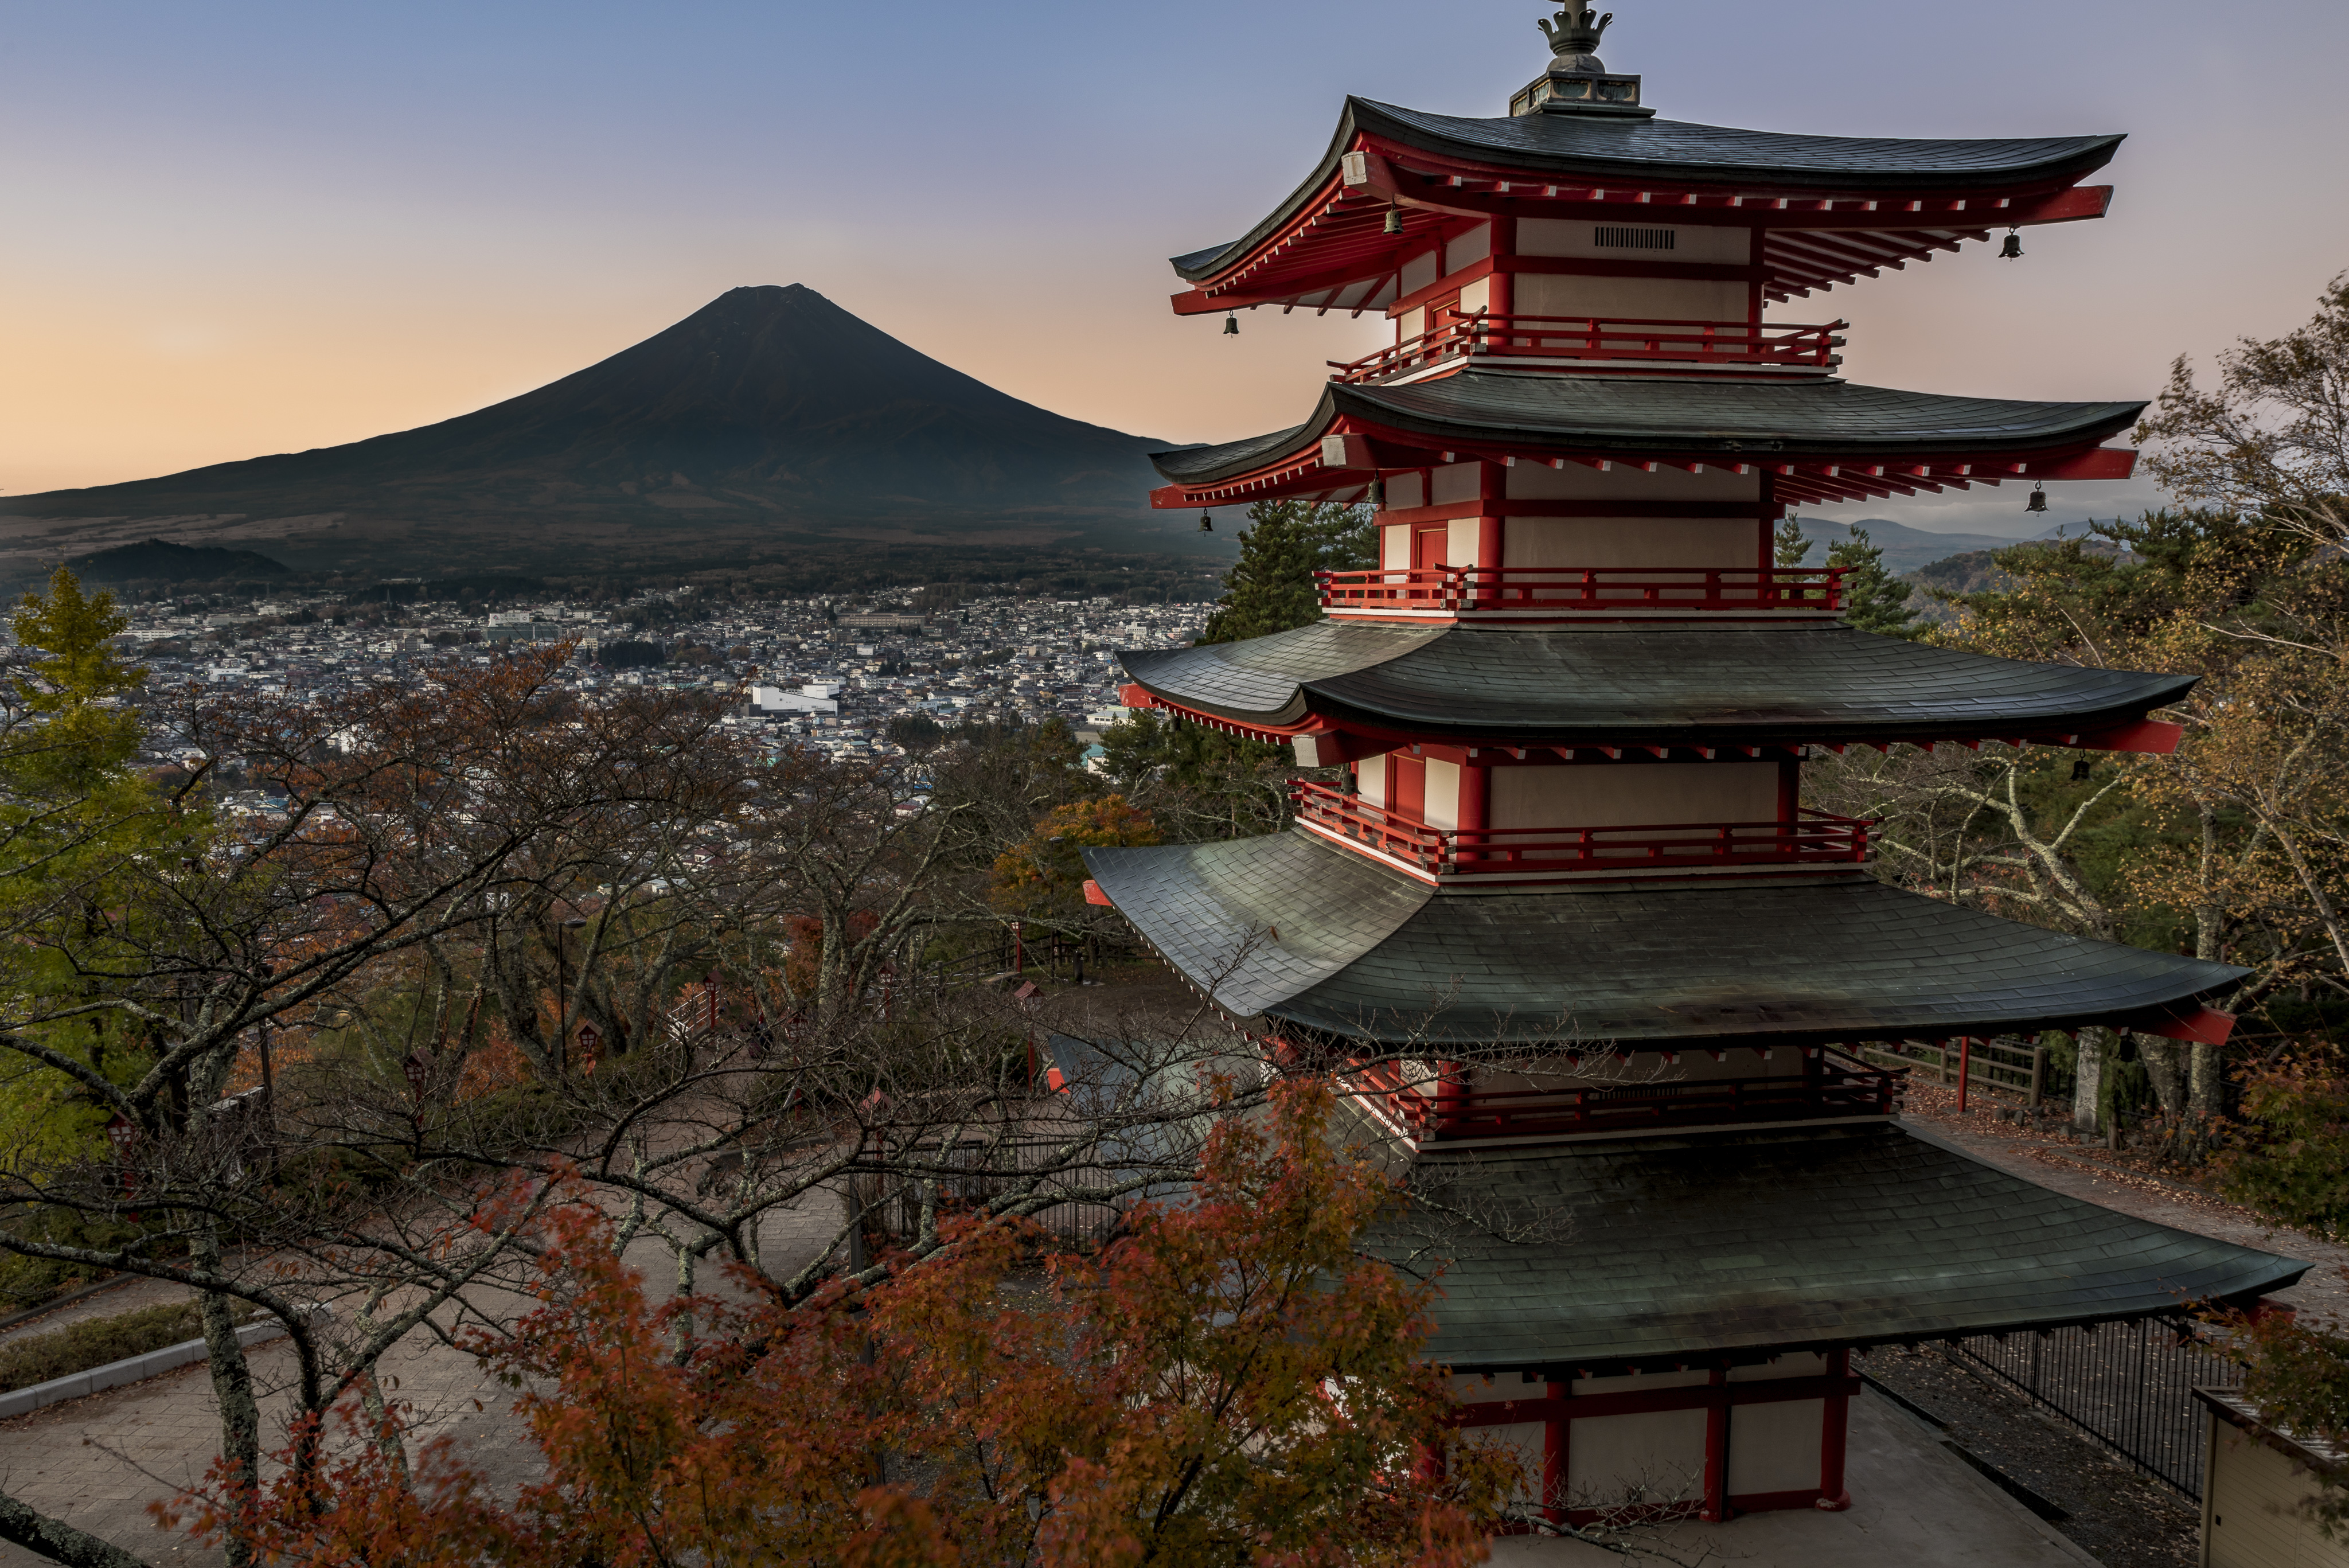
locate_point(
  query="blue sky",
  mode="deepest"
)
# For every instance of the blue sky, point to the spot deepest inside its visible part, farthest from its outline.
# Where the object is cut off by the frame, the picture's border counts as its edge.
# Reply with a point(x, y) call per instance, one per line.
point(239, 228)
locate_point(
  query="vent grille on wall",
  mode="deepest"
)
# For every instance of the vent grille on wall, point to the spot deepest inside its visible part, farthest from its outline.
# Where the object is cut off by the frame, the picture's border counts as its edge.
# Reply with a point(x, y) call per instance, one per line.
point(1633, 239)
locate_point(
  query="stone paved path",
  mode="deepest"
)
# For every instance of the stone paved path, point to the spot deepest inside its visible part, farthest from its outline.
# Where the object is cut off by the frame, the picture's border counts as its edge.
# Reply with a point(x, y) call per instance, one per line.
point(98, 1462)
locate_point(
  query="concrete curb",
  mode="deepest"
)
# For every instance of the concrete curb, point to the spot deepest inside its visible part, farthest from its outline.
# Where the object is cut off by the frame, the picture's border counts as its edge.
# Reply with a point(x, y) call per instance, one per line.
point(115, 1374)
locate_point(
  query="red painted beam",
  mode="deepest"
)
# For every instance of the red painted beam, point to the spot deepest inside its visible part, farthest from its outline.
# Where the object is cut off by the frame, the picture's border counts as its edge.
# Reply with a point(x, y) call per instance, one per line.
point(2098, 462)
point(2149, 735)
point(2204, 1026)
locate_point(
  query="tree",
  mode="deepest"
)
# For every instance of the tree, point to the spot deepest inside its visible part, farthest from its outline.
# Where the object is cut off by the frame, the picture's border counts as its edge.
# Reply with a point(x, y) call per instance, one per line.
point(1042, 878)
point(1200, 783)
point(1232, 1382)
point(1790, 544)
point(1271, 587)
point(2271, 441)
point(1874, 600)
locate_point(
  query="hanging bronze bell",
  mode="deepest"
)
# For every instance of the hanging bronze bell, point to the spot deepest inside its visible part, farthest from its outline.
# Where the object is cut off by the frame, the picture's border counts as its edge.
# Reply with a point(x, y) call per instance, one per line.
point(1231, 324)
point(1206, 524)
point(2012, 249)
point(1394, 220)
point(2038, 502)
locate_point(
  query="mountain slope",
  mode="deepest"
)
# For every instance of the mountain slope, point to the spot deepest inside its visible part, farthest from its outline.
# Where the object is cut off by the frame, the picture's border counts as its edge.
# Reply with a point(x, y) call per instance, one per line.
point(768, 416)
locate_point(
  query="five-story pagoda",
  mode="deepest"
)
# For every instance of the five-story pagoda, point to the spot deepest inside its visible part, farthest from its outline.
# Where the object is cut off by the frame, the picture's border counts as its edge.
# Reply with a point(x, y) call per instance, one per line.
point(1567, 907)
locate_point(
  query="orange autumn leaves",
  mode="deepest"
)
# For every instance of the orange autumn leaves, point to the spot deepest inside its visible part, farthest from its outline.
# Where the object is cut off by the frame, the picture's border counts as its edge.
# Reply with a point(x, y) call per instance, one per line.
point(1232, 1382)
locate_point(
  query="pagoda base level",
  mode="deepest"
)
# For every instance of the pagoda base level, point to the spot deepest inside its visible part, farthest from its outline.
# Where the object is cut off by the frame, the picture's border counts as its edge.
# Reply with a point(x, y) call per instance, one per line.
point(1701, 1443)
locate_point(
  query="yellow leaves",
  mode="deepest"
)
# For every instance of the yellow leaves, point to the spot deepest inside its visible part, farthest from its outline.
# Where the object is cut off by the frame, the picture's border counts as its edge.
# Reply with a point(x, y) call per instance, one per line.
point(1044, 874)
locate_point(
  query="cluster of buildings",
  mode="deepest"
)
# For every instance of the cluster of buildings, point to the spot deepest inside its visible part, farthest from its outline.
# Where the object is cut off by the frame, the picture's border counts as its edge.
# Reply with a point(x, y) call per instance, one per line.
point(824, 672)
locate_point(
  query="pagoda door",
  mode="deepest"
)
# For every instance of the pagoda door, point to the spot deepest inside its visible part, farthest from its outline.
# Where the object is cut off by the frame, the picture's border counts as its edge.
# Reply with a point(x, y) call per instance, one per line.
point(1429, 546)
point(1407, 786)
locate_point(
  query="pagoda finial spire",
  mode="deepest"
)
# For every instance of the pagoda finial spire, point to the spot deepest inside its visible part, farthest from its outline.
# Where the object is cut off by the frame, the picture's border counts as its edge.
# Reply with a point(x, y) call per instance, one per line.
point(1574, 35)
point(1577, 82)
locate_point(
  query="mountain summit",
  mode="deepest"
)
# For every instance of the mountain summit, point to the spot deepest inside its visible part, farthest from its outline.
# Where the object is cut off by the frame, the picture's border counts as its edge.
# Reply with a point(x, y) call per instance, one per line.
point(769, 416)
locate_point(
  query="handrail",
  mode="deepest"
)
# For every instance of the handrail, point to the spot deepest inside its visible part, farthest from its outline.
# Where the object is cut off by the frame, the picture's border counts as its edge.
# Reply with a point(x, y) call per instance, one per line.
point(1462, 1111)
point(1453, 589)
point(1455, 333)
point(1815, 837)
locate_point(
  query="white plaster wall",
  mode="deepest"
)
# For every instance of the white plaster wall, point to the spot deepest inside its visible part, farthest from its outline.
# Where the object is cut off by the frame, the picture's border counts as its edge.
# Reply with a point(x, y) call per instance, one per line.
point(1523, 1442)
point(1579, 482)
point(1691, 242)
point(1482, 1387)
point(1475, 296)
point(1410, 324)
point(1697, 542)
point(1443, 792)
point(1630, 298)
point(1610, 795)
point(1419, 272)
point(1371, 778)
point(1395, 541)
point(1662, 1454)
point(1404, 490)
point(1460, 544)
point(1455, 482)
point(1775, 1448)
point(1468, 249)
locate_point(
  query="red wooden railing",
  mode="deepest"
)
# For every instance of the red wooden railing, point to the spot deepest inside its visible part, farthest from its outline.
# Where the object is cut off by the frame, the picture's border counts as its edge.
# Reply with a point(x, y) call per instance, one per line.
point(1455, 588)
point(1456, 334)
point(1817, 837)
point(1834, 1085)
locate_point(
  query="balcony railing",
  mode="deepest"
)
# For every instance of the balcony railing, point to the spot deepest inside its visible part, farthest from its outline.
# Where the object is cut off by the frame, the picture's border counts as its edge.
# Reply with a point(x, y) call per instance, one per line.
point(1517, 589)
point(1815, 838)
point(1429, 1109)
point(1458, 335)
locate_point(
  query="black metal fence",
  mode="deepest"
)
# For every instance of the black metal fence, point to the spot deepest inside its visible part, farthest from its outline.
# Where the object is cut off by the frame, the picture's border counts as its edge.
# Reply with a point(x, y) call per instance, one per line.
point(2127, 1384)
point(975, 1174)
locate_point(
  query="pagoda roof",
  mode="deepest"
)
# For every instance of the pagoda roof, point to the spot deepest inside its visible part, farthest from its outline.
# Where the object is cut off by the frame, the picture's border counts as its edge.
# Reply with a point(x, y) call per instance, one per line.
point(1786, 1241)
point(1583, 148)
point(1865, 203)
point(1751, 420)
point(1306, 934)
point(1642, 684)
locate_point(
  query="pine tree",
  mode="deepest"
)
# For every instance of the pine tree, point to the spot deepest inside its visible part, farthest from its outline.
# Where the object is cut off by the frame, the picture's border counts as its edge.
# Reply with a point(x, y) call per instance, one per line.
point(1873, 598)
point(1271, 586)
point(1790, 543)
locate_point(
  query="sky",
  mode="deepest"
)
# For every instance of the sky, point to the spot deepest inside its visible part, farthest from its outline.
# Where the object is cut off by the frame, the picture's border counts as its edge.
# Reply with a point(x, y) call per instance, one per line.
point(240, 228)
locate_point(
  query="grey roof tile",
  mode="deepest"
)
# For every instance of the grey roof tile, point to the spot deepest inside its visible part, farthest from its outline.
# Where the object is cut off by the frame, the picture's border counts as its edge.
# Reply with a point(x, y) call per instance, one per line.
point(1368, 952)
point(1865, 1235)
point(1661, 685)
point(1591, 414)
point(1569, 145)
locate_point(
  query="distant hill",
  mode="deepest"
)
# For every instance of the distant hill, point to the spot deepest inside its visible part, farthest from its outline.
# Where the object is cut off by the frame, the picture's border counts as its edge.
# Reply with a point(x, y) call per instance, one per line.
point(1905, 548)
point(160, 560)
point(770, 420)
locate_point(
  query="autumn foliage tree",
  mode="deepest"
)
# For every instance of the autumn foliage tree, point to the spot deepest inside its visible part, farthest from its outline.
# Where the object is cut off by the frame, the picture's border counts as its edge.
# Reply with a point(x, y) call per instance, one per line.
point(1042, 877)
point(1232, 1382)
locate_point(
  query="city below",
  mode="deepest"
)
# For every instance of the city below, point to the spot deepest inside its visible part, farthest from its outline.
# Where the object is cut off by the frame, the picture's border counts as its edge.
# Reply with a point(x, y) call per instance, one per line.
point(829, 673)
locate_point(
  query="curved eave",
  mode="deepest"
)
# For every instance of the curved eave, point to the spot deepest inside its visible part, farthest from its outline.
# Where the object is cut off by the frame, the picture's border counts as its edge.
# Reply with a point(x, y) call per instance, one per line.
point(1307, 936)
point(1492, 413)
point(1779, 1241)
point(1679, 155)
point(1678, 685)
